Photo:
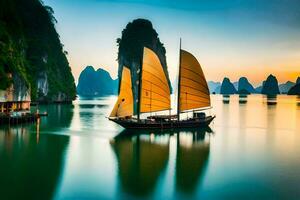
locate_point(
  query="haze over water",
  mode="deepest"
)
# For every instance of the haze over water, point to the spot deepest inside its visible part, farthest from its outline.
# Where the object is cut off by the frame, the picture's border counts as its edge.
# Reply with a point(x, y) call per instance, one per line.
point(251, 151)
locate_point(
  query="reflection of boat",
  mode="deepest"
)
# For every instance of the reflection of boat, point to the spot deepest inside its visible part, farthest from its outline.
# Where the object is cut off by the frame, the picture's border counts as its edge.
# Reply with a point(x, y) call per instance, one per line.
point(191, 160)
point(154, 95)
point(141, 160)
point(128, 133)
point(143, 155)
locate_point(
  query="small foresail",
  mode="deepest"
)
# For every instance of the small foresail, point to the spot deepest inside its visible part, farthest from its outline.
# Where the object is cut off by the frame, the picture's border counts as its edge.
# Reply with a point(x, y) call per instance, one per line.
point(155, 89)
point(194, 92)
point(124, 104)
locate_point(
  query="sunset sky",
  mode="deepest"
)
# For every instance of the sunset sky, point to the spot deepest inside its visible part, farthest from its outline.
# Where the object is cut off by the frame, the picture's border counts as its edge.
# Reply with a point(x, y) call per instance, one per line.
point(232, 38)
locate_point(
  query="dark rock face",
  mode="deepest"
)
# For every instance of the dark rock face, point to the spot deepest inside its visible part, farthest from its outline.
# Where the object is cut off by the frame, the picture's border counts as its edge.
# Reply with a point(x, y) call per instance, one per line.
point(139, 34)
point(213, 87)
point(270, 86)
point(27, 31)
point(96, 83)
point(295, 90)
point(227, 87)
point(245, 86)
point(285, 87)
point(298, 80)
point(243, 91)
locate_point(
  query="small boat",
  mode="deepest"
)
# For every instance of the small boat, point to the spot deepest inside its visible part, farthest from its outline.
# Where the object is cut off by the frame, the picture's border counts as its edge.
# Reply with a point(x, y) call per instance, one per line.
point(154, 95)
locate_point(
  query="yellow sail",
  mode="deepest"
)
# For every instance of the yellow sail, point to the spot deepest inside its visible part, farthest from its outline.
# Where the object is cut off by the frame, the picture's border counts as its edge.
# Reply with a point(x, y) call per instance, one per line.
point(124, 104)
point(155, 89)
point(193, 89)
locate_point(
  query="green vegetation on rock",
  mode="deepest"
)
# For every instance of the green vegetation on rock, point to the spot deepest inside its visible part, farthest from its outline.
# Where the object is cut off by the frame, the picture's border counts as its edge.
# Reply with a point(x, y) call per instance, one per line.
point(30, 46)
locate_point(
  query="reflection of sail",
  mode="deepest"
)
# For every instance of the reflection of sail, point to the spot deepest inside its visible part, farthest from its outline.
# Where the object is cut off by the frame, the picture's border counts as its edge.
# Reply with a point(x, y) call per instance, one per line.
point(141, 160)
point(192, 158)
point(30, 169)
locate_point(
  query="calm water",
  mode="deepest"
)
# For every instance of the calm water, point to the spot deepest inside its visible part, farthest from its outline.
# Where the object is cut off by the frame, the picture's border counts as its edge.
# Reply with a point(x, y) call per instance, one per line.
point(251, 151)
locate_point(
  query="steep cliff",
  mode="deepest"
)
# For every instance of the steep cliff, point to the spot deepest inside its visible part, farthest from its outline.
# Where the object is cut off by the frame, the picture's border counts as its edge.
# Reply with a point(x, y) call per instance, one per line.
point(295, 90)
point(245, 87)
point(139, 34)
point(96, 83)
point(227, 87)
point(31, 50)
point(270, 86)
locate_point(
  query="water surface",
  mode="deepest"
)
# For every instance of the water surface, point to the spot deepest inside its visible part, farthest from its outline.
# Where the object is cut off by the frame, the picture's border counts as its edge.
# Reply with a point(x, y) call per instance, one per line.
point(251, 150)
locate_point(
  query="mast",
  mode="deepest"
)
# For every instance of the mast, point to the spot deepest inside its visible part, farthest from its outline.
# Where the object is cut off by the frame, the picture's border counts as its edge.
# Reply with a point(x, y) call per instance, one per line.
point(140, 86)
point(178, 90)
point(150, 99)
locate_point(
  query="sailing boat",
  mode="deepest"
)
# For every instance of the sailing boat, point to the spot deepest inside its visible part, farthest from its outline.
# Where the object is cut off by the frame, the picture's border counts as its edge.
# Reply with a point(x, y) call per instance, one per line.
point(154, 95)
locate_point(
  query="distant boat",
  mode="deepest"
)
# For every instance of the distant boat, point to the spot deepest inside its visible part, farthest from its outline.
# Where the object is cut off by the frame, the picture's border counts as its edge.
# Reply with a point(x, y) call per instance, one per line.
point(154, 95)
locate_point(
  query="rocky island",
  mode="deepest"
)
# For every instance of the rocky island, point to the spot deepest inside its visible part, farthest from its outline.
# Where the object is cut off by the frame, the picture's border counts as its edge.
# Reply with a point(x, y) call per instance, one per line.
point(96, 83)
point(270, 86)
point(139, 34)
point(295, 90)
point(227, 87)
point(244, 87)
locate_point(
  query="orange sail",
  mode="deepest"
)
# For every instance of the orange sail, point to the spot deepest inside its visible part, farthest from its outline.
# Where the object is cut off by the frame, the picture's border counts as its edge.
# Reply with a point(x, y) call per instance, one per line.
point(193, 89)
point(124, 104)
point(155, 89)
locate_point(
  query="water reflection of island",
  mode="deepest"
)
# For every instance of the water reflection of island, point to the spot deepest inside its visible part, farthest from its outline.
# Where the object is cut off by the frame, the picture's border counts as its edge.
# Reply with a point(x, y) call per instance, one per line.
point(226, 99)
point(191, 159)
point(243, 98)
point(142, 157)
point(271, 100)
point(30, 164)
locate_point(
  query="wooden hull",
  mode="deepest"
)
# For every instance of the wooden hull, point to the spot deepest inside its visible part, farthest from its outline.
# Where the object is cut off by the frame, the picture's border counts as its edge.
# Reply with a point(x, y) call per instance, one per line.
point(147, 124)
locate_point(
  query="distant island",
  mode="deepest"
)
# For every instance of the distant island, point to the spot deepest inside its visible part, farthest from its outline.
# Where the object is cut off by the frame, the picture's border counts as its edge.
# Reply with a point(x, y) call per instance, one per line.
point(268, 87)
point(227, 87)
point(96, 83)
